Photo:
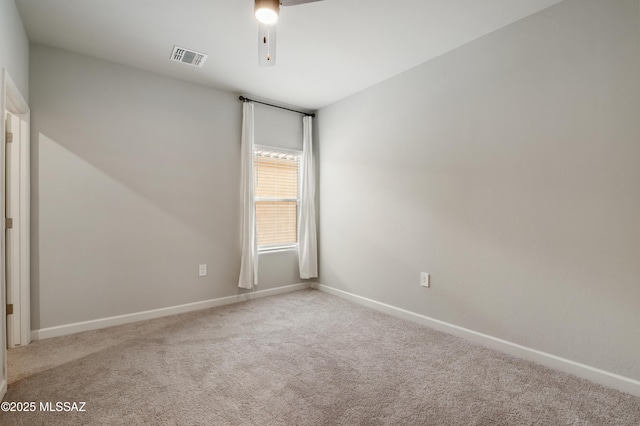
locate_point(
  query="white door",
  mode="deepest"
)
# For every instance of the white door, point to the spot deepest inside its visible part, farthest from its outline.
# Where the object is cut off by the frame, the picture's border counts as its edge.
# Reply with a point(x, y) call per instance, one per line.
point(3, 293)
point(12, 224)
point(14, 263)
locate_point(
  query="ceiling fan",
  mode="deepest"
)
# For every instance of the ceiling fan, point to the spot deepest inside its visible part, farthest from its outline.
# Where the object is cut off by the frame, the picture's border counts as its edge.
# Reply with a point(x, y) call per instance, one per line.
point(266, 12)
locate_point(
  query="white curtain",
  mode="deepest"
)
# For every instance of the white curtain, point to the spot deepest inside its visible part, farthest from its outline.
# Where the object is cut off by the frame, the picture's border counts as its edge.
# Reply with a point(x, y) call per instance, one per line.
point(249, 263)
point(307, 241)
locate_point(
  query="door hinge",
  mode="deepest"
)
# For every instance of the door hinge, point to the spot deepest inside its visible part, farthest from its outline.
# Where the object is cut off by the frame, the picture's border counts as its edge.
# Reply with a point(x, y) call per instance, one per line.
point(9, 137)
point(10, 309)
point(9, 223)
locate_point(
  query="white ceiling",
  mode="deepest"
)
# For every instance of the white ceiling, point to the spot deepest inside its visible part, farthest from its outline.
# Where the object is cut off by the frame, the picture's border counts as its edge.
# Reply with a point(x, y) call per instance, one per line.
point(325, 50)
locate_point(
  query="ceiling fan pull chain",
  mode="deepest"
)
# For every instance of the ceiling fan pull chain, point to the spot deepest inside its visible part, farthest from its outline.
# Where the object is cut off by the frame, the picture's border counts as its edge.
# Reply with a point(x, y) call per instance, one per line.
point(268, 45)
point(267, 35)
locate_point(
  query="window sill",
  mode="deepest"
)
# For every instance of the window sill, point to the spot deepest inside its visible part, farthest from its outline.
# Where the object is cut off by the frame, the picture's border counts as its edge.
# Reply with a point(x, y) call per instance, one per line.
point(277, 249)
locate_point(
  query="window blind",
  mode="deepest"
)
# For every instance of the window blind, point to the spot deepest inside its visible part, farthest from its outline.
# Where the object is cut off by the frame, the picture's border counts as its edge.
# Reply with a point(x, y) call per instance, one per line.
point(276, 193)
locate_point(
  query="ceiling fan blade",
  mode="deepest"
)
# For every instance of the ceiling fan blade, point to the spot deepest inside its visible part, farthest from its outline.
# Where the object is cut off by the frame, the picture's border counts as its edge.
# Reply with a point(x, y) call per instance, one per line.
point(266, 45)
point(296, 2)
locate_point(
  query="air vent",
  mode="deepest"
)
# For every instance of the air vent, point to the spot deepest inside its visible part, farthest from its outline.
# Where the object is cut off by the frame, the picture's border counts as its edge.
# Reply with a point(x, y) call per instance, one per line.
point(186, 56)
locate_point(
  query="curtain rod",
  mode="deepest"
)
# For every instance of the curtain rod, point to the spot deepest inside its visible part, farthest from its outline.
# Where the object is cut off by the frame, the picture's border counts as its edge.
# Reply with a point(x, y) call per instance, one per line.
point(243, 99)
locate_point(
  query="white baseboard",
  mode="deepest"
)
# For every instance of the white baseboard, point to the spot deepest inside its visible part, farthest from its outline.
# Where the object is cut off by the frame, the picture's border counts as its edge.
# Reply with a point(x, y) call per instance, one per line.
point(62, 330)
point(612, 380)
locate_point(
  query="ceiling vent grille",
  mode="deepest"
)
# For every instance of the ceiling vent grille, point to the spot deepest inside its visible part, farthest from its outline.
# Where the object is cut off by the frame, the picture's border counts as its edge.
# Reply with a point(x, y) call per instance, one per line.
point(186, 56)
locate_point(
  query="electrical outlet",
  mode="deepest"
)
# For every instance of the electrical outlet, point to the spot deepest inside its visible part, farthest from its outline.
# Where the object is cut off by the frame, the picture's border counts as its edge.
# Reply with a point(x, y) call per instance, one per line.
point(202, 270)
point(424, 279)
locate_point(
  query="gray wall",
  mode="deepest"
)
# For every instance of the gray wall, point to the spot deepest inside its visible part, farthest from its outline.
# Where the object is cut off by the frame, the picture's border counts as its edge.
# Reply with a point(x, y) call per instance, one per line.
point(509, 169)
point(14, 46)
point(135, 182)
point(277, 128)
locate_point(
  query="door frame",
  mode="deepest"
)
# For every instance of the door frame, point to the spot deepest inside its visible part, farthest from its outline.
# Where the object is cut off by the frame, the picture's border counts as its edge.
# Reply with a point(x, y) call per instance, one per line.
point(12, 100)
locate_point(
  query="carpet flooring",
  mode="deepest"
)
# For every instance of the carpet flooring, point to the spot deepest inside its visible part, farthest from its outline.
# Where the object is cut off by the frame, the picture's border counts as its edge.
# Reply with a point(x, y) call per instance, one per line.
point(302, 358)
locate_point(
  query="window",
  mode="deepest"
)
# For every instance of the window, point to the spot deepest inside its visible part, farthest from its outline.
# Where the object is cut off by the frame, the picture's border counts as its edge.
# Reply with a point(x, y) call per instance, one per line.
point(276, 177)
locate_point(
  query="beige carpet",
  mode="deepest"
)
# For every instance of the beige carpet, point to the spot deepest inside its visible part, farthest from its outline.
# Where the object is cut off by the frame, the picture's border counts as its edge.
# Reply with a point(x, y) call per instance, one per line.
point(304, 358)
